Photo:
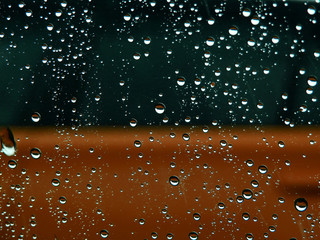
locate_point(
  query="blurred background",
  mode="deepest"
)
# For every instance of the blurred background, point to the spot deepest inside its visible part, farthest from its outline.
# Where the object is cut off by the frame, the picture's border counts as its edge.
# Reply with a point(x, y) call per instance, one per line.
point(159, 62)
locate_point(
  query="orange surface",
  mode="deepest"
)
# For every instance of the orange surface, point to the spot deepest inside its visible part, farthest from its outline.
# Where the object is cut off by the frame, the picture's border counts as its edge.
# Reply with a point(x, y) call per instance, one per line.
point(111, 184)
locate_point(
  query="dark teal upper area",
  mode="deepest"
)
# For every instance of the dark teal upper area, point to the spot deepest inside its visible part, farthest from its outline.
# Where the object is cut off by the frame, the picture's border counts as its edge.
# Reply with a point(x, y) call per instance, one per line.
point(108, 62)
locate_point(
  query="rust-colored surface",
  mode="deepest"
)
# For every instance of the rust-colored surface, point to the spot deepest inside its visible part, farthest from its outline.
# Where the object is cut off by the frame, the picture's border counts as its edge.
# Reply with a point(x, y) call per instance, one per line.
point(110, 184)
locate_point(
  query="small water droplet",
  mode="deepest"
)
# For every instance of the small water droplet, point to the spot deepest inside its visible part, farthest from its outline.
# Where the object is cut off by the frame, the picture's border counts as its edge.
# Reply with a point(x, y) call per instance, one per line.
point(210, 41)
point(133, 122)
point(312, 81)
point(275, 39)
point(35, 117)
point(246, 12)
point(263, 169)
point(127, 17)
point(186, 136)
point(246, 216)
point(174, 181)
point(311, 10)
point(181, 81)
point(50, 27)
point(196, 216)
point(137, 143)
point(281, 144)
point(247, 194)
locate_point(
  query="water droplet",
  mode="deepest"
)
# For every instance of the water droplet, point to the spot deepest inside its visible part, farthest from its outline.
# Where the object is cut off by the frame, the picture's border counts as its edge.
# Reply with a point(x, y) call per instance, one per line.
point(147, 40)
point(246, 216)
point(141, 221)
point(281, 144)
point(223, 143)
point(301, 204)
point(104, 233)
point(154, 235)
point(247, 194)
point(211, 21)
point(196, 216)
point(193, 236)
point(181, 81)
point(251, 42)
point(35, 153)
point(35, 117)
point(246, 12)
point(312, 81)
point(233, 30)
point(58, 13)
point(254, 183)
point(62, 200)
point(275, 39)
point(255, 20)
point(249, 163)
point(12, 164)
point(174, 181)
point(133, 122)
point(186, 136)
point(249, 236)
point(210, 41)
point(29, 13)
point(263, 169)
point(55, 182)
point(136, 56)
point(64, 4)
point(169, 236)
point(160, 108)
point(50, 27)
point(137, 143)
point(311, 10)
point(127, 17)
point(221, 205)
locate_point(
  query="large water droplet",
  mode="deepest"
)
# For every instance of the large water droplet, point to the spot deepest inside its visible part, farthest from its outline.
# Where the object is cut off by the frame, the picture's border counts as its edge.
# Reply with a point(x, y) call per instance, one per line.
point(311, 10)
point(12, 164)
point(193, 236)
point(35, 153)
point(160, 108)
point(55, 182)
point(62, 200)
point(301, 204)
point(247, 194)
point(104, 233)
point(233, 30)
point(174, 181)
point(181, 81)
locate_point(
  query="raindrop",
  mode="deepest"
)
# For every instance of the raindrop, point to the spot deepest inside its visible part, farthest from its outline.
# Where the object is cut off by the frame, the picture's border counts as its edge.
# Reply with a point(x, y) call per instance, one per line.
point(174, 181)
point(58, 13)
point(196, 216)
point(154, 235)
point(127, 17)
point(35, 117)
point(181, 81)
point(255, 20)
point(311, 10)
point(275, 39)
point(133, 122)
point(35, 153)
point(281, 144)
point(221, 205)
point(223, 143)
point(186, 136)
point(55, 182)
point(193, 236)
point(233, 30)
point(62, 200)
point(211, 21)
point(50, 27)
point(136, 56)
point(141, 221)
point(246, 12)
point(251, 42)
point(63, 4)
point(160, 108)
point(104, 233)
point(246, 216)
point(169, 236)
point(254, 183)
point(147, 40)
point(29, 13)
point(312, 81)
point(137, 143)
point(301, 204)
point(12, 164)
point(210, 41)
point(247, 194)
point(249, 236)
point(263, 169)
